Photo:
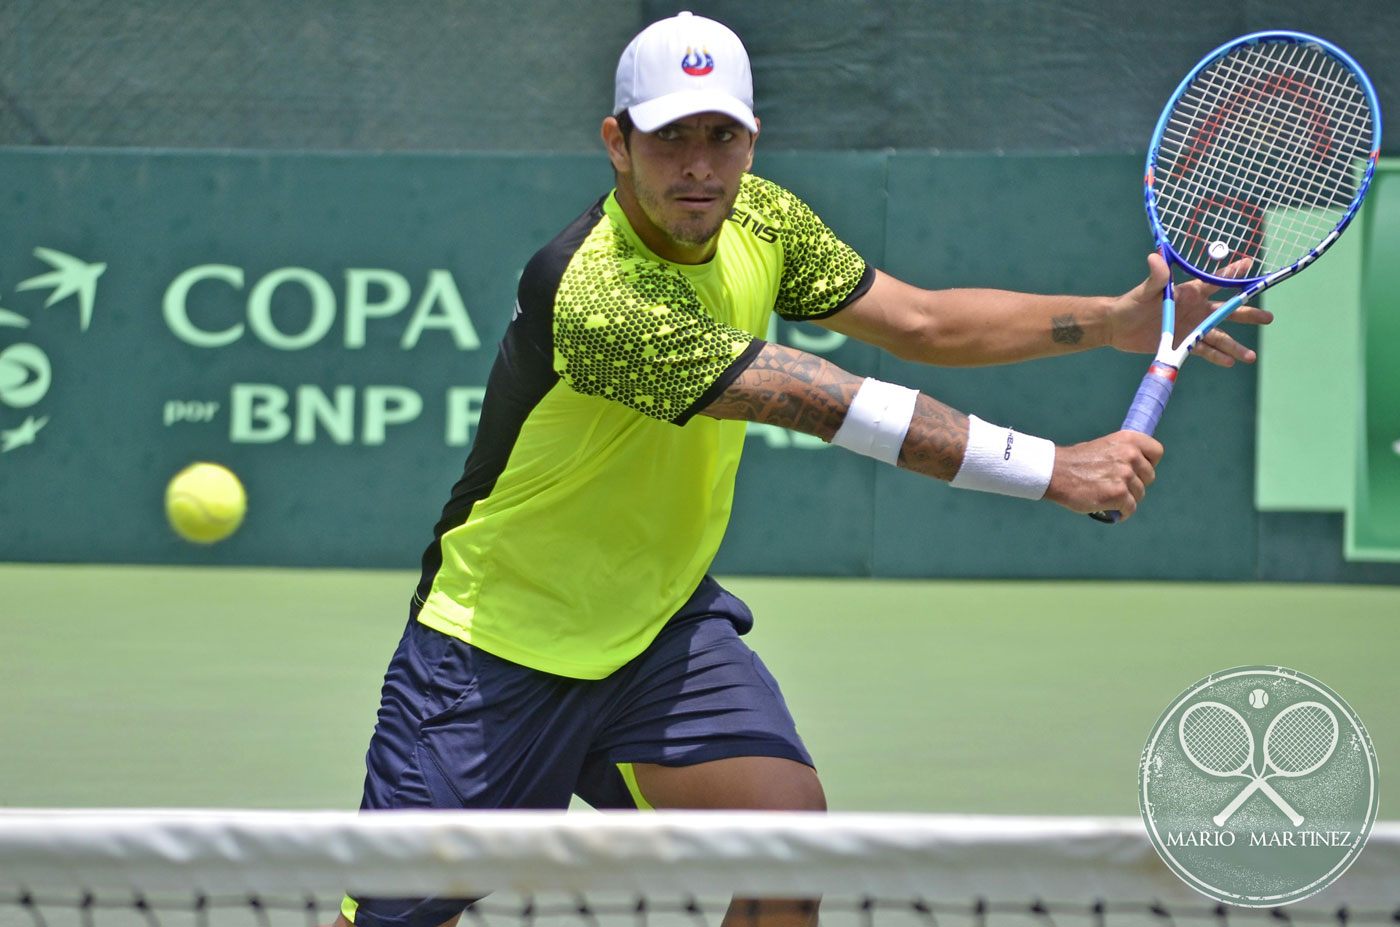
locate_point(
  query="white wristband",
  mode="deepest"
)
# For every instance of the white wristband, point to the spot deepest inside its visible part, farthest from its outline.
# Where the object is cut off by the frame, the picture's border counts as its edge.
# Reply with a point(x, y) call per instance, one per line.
point(877, 420)
point(1004, 461)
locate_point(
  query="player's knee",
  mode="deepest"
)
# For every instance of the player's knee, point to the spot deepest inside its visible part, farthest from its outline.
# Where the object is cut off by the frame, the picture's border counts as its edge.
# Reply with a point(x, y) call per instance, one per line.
point(785, 785)
point(755, 783)
point(814, 800)
point(804, 790)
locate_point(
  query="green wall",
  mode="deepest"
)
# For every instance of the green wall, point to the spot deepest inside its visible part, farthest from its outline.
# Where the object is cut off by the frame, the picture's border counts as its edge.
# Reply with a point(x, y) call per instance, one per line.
point(1374, 515)
point(1328, 429)
point(324, 323)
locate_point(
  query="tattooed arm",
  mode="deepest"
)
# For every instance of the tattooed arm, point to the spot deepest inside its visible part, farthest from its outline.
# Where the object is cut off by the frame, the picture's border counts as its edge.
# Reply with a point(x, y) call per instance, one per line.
point(793, 389)
point(966, 327)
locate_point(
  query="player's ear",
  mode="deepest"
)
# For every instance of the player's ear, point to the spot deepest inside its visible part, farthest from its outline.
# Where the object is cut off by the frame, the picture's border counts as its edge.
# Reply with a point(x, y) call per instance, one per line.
point(753, 140)
point(616, 143)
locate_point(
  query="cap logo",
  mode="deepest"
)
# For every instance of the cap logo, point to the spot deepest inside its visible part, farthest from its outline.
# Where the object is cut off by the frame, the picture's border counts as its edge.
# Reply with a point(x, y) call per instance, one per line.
point(697, 64)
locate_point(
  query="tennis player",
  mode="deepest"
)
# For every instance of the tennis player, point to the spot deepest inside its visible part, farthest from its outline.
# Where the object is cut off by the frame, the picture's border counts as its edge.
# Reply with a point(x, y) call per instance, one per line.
point(565, 637)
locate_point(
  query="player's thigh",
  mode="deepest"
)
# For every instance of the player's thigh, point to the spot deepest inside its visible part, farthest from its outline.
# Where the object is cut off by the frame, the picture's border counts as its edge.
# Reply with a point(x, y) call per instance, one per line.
point(698, 721)
point(739, 783)
point(461, 728)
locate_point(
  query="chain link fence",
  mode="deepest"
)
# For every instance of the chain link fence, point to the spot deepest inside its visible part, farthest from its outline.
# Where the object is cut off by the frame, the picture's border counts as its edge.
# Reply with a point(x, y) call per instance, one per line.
point(536, 75)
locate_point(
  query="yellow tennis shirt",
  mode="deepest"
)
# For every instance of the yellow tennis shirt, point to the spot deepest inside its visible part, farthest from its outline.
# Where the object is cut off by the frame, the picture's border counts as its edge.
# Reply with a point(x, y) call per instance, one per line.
point(594, 498)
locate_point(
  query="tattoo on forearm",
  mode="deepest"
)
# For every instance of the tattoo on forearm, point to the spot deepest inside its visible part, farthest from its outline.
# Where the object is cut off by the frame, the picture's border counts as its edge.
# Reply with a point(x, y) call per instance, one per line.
point(1065, 330)
point(806, 393)
point(936, 441)
point(790, 389)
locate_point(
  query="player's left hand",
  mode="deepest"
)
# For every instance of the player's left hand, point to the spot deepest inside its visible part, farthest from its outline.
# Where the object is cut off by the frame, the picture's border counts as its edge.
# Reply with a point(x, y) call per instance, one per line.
point(1137, 315)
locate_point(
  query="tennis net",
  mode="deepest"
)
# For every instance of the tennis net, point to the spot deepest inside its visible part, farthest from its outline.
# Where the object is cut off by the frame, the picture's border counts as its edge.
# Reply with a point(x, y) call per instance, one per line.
point(214, 868)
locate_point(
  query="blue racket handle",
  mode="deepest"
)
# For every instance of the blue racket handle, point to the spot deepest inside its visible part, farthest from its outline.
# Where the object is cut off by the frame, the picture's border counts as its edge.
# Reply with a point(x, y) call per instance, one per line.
point(1145, 412)
point(1151, 399)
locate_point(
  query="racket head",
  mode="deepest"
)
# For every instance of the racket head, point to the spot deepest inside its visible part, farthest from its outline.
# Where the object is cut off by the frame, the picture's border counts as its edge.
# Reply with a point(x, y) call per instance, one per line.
point(1216, 738)
point(1300, 739)
point(1273, 134)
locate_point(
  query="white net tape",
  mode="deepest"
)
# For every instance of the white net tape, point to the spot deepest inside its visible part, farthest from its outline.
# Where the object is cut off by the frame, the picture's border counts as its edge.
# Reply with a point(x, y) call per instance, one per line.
point(1013, 859)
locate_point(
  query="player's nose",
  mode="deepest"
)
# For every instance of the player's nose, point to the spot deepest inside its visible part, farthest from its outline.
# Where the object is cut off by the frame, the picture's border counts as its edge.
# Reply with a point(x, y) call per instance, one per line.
point(698, 163)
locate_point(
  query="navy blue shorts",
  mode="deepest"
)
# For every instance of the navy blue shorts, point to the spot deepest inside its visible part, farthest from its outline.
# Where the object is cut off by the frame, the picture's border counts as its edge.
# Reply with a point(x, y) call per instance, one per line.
point(461, 728)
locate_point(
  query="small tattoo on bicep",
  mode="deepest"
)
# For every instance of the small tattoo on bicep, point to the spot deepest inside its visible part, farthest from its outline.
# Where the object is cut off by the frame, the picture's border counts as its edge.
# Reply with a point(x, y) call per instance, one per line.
point(1065, 330)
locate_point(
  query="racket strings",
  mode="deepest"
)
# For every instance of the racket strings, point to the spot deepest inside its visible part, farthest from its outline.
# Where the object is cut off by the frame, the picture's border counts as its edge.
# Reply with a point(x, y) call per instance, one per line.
point(1261, 176)
point(1217, 741)
point(1267, 140)
point(1283, 111)
point(1233, 129)
point(1301, 740)
point(1335, 185)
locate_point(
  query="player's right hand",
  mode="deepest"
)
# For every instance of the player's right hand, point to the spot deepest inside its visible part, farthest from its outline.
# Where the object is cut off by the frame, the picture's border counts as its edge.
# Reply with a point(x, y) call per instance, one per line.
point(1111, 473)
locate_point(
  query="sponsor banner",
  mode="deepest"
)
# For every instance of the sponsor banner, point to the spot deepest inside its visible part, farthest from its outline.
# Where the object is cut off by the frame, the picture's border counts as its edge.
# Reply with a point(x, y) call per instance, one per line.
point(321, 324)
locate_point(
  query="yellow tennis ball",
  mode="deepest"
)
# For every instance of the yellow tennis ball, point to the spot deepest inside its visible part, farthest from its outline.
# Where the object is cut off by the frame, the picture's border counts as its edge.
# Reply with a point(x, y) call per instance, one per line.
point(205, 503)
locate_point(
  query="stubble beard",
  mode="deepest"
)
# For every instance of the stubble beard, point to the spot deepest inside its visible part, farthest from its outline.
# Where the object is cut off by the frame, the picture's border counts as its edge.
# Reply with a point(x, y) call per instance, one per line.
point(695, 231)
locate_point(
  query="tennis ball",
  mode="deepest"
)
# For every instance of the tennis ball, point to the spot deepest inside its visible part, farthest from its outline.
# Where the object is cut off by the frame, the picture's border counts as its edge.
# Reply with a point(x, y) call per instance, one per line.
point(205, 503)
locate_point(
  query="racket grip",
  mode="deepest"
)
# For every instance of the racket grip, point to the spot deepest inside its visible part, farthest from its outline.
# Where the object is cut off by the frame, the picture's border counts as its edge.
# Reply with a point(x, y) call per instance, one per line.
point(1151, 399)
point(1144, 414)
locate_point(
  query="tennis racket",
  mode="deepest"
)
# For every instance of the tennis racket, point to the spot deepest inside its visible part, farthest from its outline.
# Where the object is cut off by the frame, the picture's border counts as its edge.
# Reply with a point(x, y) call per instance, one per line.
point(1218, 742)
point(1299, 740)
point(1258, 163)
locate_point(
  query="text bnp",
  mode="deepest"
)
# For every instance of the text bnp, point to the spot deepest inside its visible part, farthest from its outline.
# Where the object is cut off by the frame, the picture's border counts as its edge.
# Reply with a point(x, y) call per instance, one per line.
point(266, 413)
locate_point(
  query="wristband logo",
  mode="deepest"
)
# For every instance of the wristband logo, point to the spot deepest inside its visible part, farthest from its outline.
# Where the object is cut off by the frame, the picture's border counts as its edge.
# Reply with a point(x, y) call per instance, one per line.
point(1258, 786)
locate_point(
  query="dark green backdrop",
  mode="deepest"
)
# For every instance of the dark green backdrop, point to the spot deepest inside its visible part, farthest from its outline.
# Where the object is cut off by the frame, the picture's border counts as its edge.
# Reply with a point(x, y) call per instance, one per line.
point(343, 394)
point(408, 233)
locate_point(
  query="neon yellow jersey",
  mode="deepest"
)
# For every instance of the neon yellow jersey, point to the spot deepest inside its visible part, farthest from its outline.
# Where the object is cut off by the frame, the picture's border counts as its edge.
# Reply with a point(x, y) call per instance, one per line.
point(594, 498)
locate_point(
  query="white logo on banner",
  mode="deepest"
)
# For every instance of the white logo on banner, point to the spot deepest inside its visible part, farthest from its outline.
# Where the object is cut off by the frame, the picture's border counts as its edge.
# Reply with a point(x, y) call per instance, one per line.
point(212, 306)
point(25, 372)
point(371, 295)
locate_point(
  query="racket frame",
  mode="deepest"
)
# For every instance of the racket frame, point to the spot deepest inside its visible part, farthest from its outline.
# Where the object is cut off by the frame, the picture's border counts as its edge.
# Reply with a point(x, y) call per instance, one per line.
point(1167, 351)
point(1155, 390)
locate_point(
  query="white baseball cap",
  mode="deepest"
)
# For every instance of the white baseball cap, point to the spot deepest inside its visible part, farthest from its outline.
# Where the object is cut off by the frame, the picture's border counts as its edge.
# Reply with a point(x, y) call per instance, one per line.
point(681, 66)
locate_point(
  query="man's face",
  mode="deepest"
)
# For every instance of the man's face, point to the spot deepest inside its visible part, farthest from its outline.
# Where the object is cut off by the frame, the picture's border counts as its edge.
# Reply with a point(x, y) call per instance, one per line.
point(684, 177)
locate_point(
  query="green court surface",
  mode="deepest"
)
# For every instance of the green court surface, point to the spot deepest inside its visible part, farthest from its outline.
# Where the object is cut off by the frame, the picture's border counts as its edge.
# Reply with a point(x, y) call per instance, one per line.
point(135, 686)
